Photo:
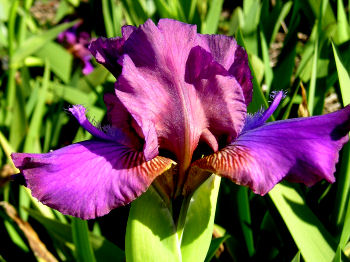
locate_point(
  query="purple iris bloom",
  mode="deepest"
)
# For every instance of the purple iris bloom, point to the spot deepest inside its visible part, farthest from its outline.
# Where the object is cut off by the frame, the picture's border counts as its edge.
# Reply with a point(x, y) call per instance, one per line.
point(176, 91)
point(77, 43)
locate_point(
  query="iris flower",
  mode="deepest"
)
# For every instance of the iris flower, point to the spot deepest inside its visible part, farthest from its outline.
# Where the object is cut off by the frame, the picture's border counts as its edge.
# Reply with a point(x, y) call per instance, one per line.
point(179, 113)
point(77, 42)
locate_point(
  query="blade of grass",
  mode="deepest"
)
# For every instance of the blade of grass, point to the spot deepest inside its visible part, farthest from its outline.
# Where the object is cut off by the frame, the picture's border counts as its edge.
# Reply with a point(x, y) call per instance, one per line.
point(107, 12)
point(83, 249)
point(59, 58)
point(214, 246)
point(297, 257)
point(343, 29)
point(282, 15)
point(11, 85)
point(345, 235)
point(342, 197)
point(211, 23)
point(245, 219)
point(103, 249)
point(32, 141)
point(258, 95)
point(266, 59)
point(312, 87)
point(164, 9)
point(36, 42)
point(22, 23)
point(311, 237)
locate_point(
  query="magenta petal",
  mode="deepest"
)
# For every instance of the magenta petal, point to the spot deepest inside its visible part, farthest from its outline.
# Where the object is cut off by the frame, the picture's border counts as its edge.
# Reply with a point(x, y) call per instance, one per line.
point(107, 51)
point(153, 89)
point(170, 81)
point(232, 57)
point(79, 112)
point(121, 119)
point(90, 178)
point(218, 91)
point(301, 150)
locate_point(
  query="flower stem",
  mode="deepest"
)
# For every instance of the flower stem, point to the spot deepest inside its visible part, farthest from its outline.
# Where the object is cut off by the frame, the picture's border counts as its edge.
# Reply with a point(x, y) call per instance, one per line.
point(181, 219)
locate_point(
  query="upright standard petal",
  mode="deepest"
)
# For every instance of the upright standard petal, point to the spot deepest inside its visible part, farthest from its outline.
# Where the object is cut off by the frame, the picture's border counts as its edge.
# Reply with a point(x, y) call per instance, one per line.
point(161, 83)
point(108, 50)
point(232, 57)
point(301, 150)
point(90, 178)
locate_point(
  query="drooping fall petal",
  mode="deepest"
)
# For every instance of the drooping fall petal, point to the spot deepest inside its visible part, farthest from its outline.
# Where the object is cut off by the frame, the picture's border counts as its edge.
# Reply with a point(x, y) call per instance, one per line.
point(89, 178)
point(301, 150)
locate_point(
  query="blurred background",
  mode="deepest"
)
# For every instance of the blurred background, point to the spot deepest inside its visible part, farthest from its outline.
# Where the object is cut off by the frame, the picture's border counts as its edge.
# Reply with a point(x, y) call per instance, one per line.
point(301, 47)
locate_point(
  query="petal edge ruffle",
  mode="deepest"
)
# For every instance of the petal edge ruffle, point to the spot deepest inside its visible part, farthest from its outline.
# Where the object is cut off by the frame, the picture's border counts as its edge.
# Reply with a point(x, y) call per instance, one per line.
point(301, 150)
point(89, 178)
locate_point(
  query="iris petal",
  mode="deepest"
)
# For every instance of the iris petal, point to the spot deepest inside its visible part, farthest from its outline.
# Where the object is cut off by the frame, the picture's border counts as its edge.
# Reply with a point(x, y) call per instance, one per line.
point(162, 83)
point(232, 57)
point(301, 150)
point(108, 50)
point(89, 178)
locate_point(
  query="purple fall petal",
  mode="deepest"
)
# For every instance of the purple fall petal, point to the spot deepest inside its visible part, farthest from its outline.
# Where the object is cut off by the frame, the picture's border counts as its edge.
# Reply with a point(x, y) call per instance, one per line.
point(89, 178)
point(79, 112)
point(301, 150)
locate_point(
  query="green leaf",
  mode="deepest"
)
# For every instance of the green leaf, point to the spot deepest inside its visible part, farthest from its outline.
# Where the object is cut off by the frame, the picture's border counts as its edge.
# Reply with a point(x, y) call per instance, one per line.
point(4, 9)
point(152, 235)
point(342, 200)
point(104, 250)
point(267, 67)
point(343, 29)
point(245, 218)
point(107, 17)
point(251, 12)
point(32, 142)
point(312, 88)
point(344, 79)
point(297, 257)
point(345, 235)
point(258, 96)
point(211, 23)
point(199, 222)
point(60, 60)
point(313, 240)
point(214, 246)
point(34, 43)
point(151, 232)
point(164, 9)
point(15, 236)
point(83, 249)
point(282, 15)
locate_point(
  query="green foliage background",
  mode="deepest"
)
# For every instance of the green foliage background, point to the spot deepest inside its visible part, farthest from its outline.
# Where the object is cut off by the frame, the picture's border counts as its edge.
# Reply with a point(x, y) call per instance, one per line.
point(290, 44)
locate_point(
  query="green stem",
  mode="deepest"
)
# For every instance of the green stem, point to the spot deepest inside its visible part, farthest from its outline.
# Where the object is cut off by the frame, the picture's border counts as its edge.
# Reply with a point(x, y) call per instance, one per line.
point(180, 221)
point(11, 84)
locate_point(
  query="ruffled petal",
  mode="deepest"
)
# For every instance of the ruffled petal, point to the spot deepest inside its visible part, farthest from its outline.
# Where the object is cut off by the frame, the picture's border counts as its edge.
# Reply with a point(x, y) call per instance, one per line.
point(220, 94)
point(162, 83)
point(107, 51)
point(153, 89)
point(232, 57)
point(90, 178)
point(301, 150)
point(79, 112)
